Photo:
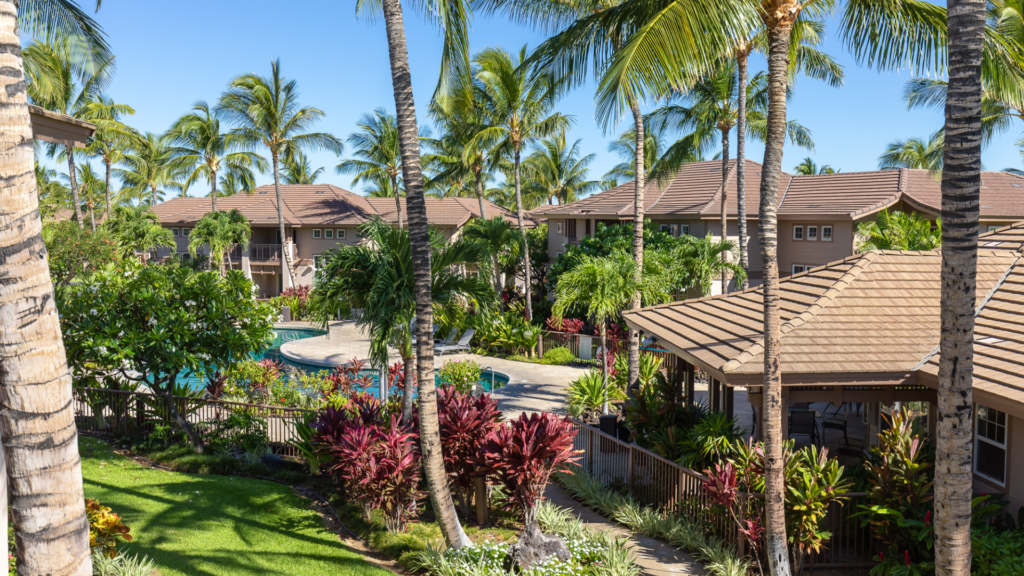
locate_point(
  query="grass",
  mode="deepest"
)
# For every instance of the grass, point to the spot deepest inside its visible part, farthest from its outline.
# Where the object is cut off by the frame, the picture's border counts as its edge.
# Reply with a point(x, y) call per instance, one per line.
point(215, 525)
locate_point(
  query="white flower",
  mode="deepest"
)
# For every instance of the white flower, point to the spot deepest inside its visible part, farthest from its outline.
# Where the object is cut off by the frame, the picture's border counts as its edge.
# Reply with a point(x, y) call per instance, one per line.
point(93, 311)
point(152, 321)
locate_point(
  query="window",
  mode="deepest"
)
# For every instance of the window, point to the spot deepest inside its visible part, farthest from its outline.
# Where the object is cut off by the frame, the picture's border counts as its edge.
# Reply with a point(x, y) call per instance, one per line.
point(990, 444)
point(557, 254)
point(329, 233)
point(673, 229)
point(826, 233)
point(341, 234)
point(316, 233)
point(684, 230)
point(993, 228)
point(185, 232)
point(812, 232)
point(174, 231)
point(798, 268)
point(663, 228)
point(798, 232)
point(558, 228)
point(570, 228)
point(318, 261)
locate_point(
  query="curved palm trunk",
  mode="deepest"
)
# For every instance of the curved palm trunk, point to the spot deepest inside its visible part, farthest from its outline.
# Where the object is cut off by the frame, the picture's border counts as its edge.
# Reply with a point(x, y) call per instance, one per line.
point(213, 190)
point(775, 482)
point(286, 269)
point(741, 139)
point(633, 345)
point(961, 181)
point(106, 189)
point(725, 198)
point(92, 215)
point(152, 196)
point(398, 200)
point(480, 194)
point(430, 434)
point(526, 242)
point(37, 422)
point(604, 365)
point(74, 186)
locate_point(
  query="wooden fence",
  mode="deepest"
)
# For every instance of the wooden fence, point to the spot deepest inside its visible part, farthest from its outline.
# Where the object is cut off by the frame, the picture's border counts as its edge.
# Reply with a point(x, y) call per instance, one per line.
point(661, 483)
point(129, 413)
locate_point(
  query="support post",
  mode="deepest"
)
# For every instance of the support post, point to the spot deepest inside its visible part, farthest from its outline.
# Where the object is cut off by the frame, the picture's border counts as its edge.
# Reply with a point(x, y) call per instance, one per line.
point(540, 344)
point(730, 393)
point(691, 375)
point(714, 395)
point(480, 487)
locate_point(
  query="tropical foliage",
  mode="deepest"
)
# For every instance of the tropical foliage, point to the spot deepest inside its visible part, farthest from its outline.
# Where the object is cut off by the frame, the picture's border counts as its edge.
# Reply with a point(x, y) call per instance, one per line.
point(74, 252)
point(220, 231)
point(137, 230)
point(899, 231)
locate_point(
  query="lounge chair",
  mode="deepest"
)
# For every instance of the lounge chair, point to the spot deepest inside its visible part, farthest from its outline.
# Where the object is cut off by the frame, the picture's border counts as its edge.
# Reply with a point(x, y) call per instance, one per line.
point(461, 346)
point(436, 328)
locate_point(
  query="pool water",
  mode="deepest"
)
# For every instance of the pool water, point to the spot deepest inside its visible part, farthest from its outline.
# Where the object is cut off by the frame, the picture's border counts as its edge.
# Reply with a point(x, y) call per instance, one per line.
point(285, 335)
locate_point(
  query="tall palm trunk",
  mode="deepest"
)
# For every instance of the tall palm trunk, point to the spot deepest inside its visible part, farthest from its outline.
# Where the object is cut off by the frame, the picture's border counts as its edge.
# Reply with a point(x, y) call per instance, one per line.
point(408, 139)
point(37, 421)
point(633, 345)
point(725, 198)
point(604, 365)
point(106, 189)
point(280, 218)
point(775, 483)
point(398, 200)
point(480, 193)
point(92, 215)
point(74, 186)
point(961, 181)
point(213, 189)
point(741, 139)
point(526, 243)
point(152, 195)
point(409, 381)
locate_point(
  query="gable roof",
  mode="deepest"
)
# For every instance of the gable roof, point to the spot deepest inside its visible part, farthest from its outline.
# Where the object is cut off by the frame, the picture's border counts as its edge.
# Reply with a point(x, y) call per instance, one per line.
point(696, 191)
point(874, 313)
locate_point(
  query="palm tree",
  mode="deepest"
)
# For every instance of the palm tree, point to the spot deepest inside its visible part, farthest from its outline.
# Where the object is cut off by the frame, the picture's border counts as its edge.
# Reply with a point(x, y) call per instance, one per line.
point(604, 287)
point(267, 113)
point(298, 170)
point(456, 158)
point(517, 100)
point(43, 480)
point(808, 167)
point(498, 237)
point(220, 231)
point(655, 144)
point(560, 170)
point(711, 113)
point(914, 153)
point(111, 138)
point(378, 157)
point(203, 150)
point(90, 191)
point(64, 82)
point(700, 261)
point(899, 231)
point(234, 183)
point(149, 168)
point(137, 230)
point(52, 194)
point(378, 276)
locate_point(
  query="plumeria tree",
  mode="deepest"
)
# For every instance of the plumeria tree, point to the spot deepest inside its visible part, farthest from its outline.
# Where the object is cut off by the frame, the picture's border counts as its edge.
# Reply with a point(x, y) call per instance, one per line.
point(157, 324)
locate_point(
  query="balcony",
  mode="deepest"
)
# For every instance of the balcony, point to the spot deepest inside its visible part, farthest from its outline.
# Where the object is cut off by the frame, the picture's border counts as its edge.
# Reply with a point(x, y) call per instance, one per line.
point(259, 252)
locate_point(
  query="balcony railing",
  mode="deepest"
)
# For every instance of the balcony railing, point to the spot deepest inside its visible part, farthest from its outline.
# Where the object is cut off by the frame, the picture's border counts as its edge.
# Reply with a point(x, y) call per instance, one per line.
point(259, 252)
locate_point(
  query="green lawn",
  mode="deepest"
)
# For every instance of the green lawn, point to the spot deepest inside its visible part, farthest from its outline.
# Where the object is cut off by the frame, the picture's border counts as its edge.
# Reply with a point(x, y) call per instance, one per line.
point(192, 524)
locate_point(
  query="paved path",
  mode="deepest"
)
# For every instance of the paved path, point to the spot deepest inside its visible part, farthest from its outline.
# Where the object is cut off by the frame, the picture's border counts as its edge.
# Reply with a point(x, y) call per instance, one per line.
point(654, 557)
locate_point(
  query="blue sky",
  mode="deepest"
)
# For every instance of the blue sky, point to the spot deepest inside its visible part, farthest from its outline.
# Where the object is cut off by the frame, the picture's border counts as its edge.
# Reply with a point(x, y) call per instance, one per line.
point(171, 54)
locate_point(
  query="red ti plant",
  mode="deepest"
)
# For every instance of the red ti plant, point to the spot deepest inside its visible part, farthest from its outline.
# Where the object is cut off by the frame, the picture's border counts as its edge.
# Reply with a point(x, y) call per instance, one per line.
point(566, 325)
point(352, 452)
point(522, 455)
point(465, 421)
point(396, 376)
point(394, 473)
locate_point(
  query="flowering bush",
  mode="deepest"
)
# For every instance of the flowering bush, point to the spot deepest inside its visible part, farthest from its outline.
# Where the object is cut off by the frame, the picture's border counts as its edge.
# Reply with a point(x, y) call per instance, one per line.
point(106, 529)
point(464, 421)
point(566, 325)
point(463, 375)
point(297, 300)
point(73, 251)
point(491, 558)
point(522, 454)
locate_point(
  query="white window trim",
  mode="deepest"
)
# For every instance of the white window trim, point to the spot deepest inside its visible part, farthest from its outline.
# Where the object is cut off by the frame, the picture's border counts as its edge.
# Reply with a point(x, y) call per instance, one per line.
point(993, 228)
point(812, 238)
point(801, 229)
point(329, 233)
point(559, 253)
point(340, 234)
point(663, 228)
point(804, 266)
point(831, 234)
point(558, 227)
point(684, 230)
point(186, 231)
point(1004, 447)
point(174, 231)
point(316, 233)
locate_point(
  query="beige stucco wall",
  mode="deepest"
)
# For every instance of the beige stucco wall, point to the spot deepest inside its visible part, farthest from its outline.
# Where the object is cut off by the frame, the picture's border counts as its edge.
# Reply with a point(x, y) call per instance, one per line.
point(310, 247)
point(813, 252)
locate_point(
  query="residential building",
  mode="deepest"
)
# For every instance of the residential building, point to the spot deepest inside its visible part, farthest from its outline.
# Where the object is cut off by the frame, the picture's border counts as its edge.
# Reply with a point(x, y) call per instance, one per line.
point(317, 218)
point(818, 214)
point(865, 330)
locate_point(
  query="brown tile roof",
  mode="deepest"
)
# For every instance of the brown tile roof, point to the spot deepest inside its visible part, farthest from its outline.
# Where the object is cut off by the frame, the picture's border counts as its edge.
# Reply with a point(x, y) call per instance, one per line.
point(320, 204)
point(695, 191)
point(876, 312)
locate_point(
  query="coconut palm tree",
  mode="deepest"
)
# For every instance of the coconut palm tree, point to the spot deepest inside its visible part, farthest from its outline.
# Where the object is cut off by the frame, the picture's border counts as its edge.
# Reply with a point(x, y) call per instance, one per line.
point(655, 144)
point(221, 231)
point(708, 115)
point(808, 167)
point(700, 261)
point(63, 81)
point(112, 136)
point(52, 194)
point(604, 287)
point(42, 482)
point(498, 238)
point(455, 158)
point(517, 100)
point(560, 170)
point(914, 153)
point(203, 150)
point(90, 189)
point(234, 183)
point(298, 170)
point(378, 157)
point(266, 112)
point(137, 230)
point(149, 168)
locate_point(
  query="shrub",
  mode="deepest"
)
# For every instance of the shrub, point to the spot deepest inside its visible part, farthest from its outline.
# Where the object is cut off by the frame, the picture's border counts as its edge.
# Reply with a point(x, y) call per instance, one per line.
point(463, 375)
point(559, 355)
point(465, 421)
point(566, 325)
point(106, 529)
point(345, 379)
point(296, 299)
point(588, 392)
point(996, 553)
point(122, 565)
point(522, 454)
point(74, 252)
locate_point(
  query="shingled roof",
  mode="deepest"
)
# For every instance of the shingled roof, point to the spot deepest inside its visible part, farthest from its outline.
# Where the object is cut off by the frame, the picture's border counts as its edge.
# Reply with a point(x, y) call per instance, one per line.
point(696, 191)
point(320, 205)
point(870, 317)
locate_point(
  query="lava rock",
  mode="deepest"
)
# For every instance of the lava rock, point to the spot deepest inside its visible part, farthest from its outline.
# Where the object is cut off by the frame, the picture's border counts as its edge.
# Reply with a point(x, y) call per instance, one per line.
point(534, 546)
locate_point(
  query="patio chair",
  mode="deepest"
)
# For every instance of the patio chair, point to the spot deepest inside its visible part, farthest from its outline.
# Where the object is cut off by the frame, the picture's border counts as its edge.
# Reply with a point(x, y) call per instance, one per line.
point(835, 424)
point(436, 328)
point(804, 423)
point(461, 346)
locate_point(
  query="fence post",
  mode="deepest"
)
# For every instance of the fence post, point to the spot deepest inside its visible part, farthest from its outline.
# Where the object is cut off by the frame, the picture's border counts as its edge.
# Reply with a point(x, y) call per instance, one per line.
point(540, 344)
point(140, 413)
point(590, 450)
point(632, 471)
point(481, 500)
point(741, 539)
